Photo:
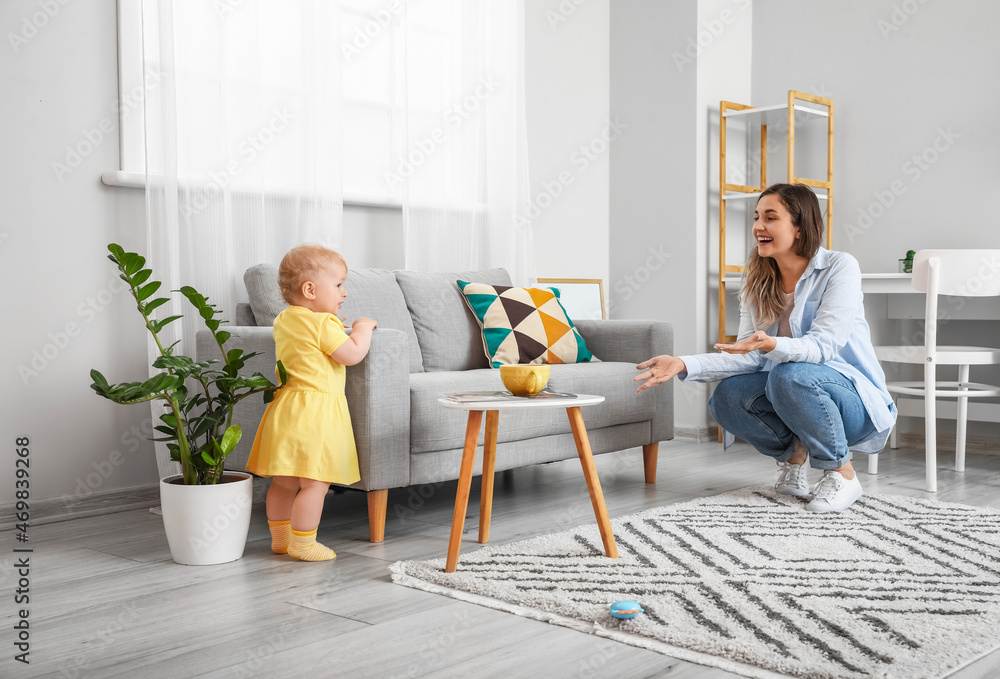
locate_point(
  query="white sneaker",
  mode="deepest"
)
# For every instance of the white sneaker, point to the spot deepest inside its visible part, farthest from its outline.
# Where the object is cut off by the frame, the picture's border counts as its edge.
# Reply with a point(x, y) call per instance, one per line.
point(792, 480)
point(834, 493)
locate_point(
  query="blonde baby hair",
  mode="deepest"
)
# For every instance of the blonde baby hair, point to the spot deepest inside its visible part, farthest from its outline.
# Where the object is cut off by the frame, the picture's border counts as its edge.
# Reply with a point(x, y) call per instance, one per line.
point(300, 263)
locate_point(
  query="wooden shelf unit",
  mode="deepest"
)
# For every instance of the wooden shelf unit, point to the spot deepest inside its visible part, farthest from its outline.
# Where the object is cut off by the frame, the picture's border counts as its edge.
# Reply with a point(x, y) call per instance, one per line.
point(765, 116)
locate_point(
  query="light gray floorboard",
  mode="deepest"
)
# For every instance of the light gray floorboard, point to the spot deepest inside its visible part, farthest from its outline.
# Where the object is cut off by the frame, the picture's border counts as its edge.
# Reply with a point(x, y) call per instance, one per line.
point(108, 602)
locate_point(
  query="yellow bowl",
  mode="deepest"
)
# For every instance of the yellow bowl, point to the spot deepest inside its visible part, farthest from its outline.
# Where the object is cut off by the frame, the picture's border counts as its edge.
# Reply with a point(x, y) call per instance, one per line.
point(524, 380)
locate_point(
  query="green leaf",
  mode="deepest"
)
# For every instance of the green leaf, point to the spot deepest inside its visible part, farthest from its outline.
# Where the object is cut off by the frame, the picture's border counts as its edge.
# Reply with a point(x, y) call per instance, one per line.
point(169, 431)
point(269, 395)
point(134, 391)
point(179, 361)
point(233, 354)
point(147, 290)
point(230, 439)
point(155, 383)
point(196, 401)
point(141, 276)
point(159, 301)
point(256, 382)
point(212, 325)
point(223, 337)
point(208, 459)
point(206, 313)
point(282, 375)
point(98, 378)
point(117, 251)
point(169, 419)
point(203, 424)
point(133, 262)
point(159, 325)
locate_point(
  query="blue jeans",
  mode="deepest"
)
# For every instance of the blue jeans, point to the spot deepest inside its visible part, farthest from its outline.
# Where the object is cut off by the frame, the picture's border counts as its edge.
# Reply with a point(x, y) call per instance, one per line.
point(811, 402)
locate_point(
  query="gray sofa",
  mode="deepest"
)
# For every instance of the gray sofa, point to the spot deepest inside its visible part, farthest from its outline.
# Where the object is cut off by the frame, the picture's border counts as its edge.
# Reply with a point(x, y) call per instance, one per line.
point(428, 344)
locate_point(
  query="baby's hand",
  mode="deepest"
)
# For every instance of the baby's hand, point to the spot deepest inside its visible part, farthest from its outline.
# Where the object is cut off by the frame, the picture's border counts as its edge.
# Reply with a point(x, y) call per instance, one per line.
point(362, 322)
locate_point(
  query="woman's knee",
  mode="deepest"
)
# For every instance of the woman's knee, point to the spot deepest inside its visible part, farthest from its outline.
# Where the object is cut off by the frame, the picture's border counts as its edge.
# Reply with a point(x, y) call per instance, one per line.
point(731, 395)
point(788, 382)
point(721, 400)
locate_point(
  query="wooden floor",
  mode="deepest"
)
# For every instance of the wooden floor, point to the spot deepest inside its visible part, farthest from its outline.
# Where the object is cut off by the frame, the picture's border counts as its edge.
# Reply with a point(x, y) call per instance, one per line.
point(107, 601)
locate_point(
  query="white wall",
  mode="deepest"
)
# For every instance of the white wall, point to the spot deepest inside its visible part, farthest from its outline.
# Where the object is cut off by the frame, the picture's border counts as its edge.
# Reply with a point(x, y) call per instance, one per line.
point(58, 88)
point(568, 81)
point(671, 63)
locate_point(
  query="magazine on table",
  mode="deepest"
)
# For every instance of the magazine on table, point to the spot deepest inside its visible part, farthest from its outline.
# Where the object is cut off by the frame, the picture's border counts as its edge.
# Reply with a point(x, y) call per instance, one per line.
point(486, 396)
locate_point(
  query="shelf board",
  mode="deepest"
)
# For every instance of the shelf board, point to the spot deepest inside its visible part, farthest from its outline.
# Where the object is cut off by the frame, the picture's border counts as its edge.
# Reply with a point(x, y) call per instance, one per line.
point(768, 115)
point(736, 195)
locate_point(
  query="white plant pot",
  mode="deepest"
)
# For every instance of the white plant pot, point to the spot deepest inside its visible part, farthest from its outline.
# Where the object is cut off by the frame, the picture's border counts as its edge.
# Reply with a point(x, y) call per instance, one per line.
point(207, 524)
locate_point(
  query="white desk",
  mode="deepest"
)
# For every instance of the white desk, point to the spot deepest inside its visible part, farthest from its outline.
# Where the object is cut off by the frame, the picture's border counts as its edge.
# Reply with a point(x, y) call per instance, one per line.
point(903, 303)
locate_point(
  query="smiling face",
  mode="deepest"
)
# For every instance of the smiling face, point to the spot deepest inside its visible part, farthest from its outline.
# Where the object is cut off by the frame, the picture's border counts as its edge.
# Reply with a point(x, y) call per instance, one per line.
point(324, 292)
point(773, 229)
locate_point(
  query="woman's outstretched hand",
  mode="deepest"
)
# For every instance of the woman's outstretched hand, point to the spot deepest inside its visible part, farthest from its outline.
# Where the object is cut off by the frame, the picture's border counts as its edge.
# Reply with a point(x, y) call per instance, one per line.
point(658, 370)
point(758, 340)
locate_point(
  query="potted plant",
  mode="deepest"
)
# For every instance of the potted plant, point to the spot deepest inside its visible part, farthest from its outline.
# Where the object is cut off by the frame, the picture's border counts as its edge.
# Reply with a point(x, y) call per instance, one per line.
point(206, 510)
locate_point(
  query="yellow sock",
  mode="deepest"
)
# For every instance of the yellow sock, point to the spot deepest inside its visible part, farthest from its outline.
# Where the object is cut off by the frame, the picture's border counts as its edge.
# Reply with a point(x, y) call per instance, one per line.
point(303, 546)
point(281, 533)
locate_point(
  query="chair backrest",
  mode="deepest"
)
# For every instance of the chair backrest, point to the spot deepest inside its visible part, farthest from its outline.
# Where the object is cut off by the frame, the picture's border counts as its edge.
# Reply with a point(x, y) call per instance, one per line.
point(966, 273)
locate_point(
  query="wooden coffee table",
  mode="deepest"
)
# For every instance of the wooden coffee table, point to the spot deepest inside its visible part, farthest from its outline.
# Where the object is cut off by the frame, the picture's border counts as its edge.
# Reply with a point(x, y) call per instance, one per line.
point(492, 404)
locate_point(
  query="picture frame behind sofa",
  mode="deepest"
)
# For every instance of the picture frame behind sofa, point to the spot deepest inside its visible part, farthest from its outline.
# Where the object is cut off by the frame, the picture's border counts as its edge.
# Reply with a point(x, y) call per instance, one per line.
point(583, 298)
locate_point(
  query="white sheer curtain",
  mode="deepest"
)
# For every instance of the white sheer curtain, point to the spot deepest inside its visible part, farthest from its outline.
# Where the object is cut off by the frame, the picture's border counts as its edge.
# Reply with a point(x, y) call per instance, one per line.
point(243, 144)
point(465, 158)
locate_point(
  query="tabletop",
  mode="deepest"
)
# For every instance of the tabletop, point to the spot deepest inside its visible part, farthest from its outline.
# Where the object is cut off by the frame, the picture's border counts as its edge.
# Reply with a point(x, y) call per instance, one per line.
point(498, 400)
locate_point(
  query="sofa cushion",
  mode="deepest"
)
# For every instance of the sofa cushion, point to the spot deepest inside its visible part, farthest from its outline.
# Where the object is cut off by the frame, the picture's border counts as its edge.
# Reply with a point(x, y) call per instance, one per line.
point(524, 325)
point(435, 427)
point(447, 331)
point(370, 292)
point(266, 301)
point(374, 293)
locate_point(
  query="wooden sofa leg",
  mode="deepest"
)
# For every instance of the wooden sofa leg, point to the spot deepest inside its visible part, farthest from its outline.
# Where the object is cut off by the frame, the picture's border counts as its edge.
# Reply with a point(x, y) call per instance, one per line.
point(378, 500)
point(649, 461)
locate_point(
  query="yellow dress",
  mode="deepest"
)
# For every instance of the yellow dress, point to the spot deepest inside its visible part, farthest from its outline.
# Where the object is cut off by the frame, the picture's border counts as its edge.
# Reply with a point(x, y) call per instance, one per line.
point(306, 430)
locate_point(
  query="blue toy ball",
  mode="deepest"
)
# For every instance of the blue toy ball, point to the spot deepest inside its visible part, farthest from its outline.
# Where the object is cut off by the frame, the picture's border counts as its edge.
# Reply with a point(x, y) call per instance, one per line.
point(626, 610)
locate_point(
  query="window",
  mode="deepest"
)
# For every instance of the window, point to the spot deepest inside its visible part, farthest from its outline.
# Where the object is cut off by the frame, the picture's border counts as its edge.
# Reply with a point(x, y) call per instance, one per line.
point(217, 81)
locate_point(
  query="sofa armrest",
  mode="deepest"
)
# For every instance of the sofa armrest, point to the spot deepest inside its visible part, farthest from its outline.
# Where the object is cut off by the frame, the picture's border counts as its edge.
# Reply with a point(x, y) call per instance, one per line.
point(378, 395)
point(630, 341)
point(627, 341)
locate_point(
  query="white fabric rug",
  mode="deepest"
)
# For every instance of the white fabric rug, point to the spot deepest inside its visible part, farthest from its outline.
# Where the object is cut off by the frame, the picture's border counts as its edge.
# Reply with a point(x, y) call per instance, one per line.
point(750, 582)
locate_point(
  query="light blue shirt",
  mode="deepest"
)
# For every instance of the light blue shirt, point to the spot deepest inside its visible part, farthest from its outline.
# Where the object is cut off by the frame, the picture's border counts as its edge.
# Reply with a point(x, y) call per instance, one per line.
point(828, 328)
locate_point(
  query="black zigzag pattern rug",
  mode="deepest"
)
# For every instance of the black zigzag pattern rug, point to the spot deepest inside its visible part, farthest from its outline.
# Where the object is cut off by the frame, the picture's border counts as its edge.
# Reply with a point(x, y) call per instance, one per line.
point(750, 582)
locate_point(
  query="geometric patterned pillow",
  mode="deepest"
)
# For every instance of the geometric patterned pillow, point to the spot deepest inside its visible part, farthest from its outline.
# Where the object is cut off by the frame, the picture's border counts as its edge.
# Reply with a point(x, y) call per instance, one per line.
point(524, 325)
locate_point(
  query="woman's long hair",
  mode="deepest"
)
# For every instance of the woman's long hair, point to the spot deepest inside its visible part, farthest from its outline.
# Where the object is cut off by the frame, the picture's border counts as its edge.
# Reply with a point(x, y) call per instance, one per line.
point(761, 277)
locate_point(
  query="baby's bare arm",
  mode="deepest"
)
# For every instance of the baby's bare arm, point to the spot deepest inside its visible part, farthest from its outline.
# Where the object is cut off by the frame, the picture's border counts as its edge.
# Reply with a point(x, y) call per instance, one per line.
point(356, 347)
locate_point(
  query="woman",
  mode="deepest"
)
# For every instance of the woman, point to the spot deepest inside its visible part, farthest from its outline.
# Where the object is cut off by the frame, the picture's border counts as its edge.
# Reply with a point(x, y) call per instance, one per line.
point(802, 381)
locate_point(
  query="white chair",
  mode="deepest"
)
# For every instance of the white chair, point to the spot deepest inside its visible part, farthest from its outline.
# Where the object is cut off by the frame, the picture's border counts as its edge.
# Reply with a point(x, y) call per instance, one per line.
point(965, 273)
